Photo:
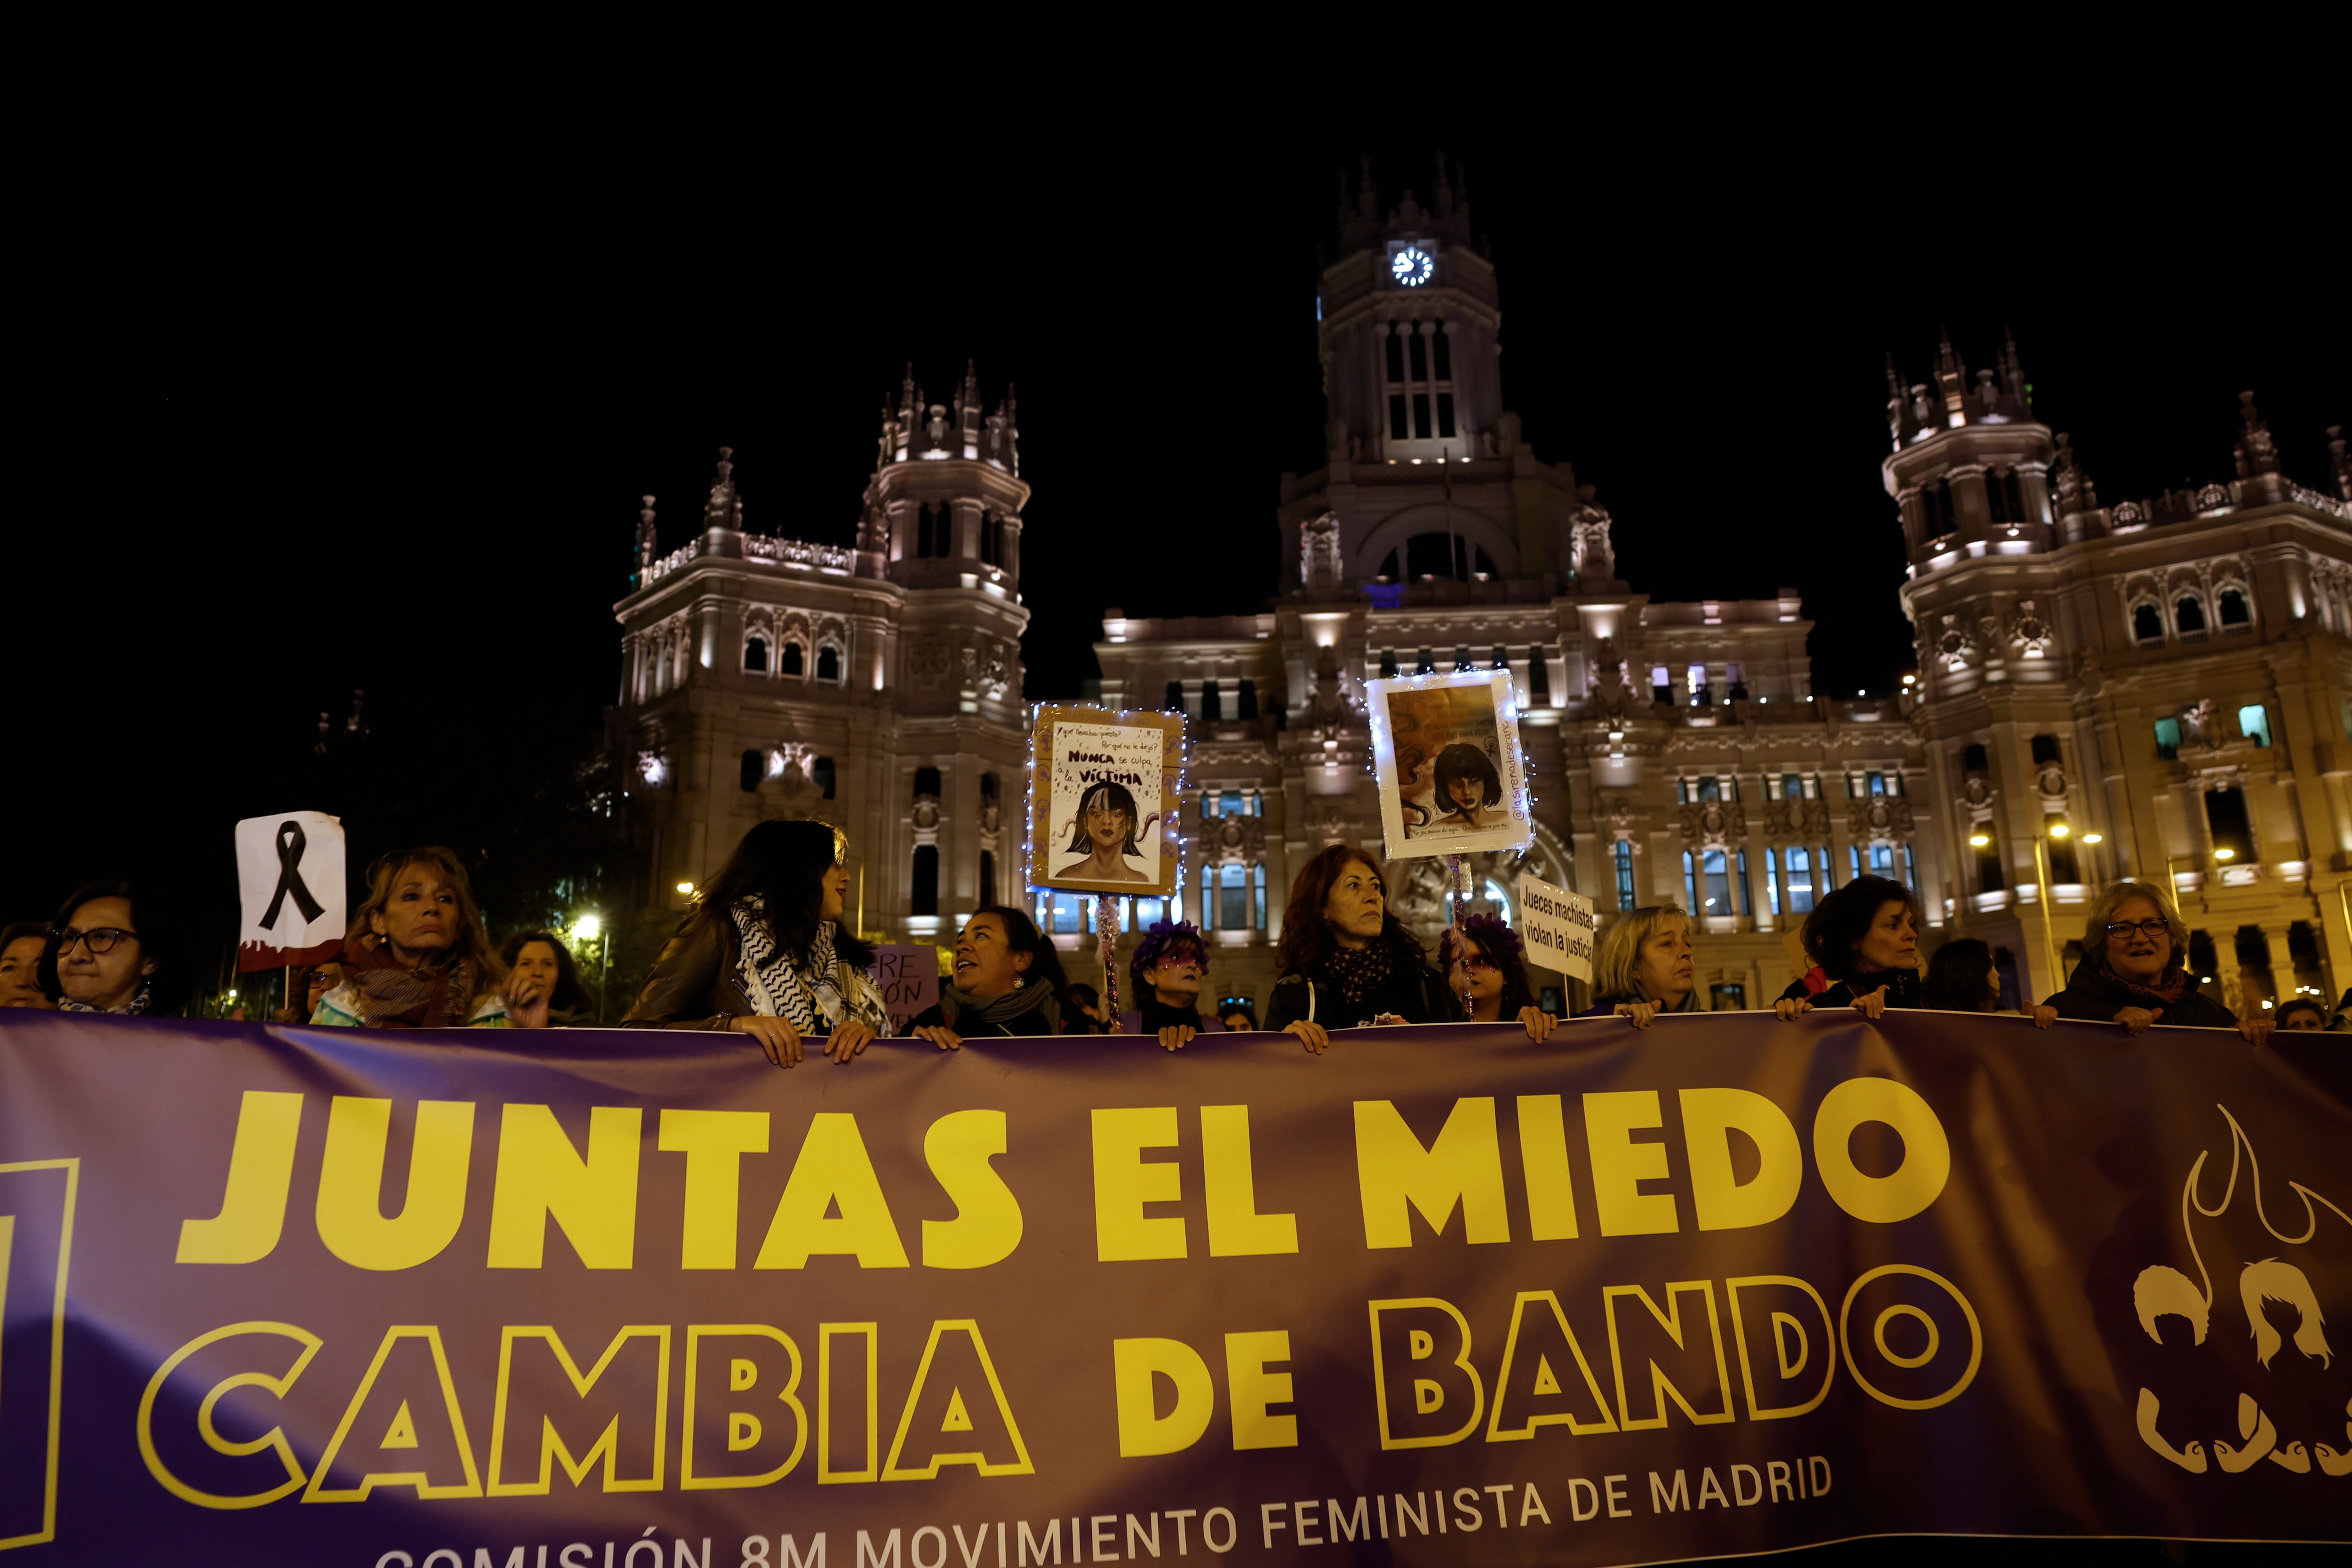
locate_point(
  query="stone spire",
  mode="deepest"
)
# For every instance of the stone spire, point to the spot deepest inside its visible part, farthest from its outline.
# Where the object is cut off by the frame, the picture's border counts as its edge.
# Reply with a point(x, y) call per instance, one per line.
point(2342, 464)
point(2071, 490)
point(2013, 373)
point(1951, 380)
point(2257, 453)
point(649, 540)
point(725, 508)
point(1902, 420)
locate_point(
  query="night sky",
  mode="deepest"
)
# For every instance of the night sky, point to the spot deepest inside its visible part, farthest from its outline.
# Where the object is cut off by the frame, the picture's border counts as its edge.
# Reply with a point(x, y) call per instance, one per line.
point(382, 423)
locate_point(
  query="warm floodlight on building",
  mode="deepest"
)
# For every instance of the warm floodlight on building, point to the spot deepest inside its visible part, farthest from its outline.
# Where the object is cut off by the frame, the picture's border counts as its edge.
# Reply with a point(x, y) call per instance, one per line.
point(2225, 854)
point(687, 887)
point(1978, 840)
point(2059, 830)
point(587, 927)
point(2094, 838)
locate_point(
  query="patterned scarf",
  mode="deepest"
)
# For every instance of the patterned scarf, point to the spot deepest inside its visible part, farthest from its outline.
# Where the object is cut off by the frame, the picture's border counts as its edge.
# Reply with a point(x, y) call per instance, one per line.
point(1001, 1010)
point(817, 995)
point(2171, 986)
point(139, 1003)
point(1358, 971)
point(393, 996)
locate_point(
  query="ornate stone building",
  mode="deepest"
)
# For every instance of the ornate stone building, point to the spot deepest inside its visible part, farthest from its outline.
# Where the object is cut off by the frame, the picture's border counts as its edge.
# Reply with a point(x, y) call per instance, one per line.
point(2171, 680)
point(2159, 688)
point(878, 687)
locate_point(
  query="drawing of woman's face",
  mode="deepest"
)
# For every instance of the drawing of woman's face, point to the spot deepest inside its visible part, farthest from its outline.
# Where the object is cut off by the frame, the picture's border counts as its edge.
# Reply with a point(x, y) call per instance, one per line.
point(1468, 793)
point(1108, 827)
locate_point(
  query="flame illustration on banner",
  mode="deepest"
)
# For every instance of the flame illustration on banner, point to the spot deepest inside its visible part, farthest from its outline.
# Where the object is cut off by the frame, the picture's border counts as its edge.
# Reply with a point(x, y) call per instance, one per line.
point(2162, 1292)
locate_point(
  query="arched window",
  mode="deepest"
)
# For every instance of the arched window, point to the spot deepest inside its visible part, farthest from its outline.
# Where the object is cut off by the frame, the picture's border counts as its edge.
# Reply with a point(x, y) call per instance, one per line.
point(1173, 701)
point(2147, 623)
point(752, 768)
point(1388, 663)
point(1461, 659)
point(791, 662)
point(926, 899)
point(1426, 664)
point(2189, 615)
point(755, 656)
point(2233, 608)
point(828, 663)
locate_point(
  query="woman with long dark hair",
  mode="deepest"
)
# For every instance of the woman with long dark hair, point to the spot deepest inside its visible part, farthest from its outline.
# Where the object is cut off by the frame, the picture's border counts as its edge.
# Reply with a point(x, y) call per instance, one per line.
point(1105, 831)
point(1345, 959)
point(1486, 966)
point(1961, 978)
point(544, 989)
point(764, 951)
point(1008, 981)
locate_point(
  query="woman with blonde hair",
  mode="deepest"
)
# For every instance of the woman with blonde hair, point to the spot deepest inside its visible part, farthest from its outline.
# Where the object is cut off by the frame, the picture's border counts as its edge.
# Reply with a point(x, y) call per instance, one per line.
point(417, 956)
point(1645, 966)
point(2132, 971)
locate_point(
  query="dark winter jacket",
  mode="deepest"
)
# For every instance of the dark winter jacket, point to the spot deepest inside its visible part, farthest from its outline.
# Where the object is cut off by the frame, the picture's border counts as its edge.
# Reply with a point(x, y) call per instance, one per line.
point(2095, 997)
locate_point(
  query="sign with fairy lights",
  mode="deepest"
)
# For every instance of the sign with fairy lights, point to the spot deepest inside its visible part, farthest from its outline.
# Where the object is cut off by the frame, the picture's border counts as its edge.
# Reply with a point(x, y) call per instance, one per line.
point(1446, 751)
point(1102, 801)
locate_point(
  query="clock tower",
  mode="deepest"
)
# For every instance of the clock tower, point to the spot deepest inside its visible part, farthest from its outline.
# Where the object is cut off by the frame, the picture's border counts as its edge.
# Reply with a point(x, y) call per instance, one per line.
point(1409, 323)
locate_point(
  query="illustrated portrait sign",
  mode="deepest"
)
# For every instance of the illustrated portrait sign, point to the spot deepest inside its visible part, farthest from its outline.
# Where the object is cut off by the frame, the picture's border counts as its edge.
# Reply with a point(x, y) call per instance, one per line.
point(1447, 748)
point(1103, 800)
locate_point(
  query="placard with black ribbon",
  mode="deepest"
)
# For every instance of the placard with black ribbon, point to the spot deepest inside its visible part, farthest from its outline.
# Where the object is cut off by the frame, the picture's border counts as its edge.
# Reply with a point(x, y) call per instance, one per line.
point(290, 893)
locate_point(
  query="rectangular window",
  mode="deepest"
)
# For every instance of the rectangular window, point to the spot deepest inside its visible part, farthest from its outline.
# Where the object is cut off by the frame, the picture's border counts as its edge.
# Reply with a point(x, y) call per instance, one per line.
point(1709, 790)
point(1910, 875)
point(1772, 880)
point(1989, 875)
point(1149, 912)
point(2232, 829)
point(1825, 869)
point(1690, 884)
point(1257, 881)
point(1208, 898)
point(1882, 861)
point(1715, 870)
point(1540, 675)
point(2167, 740)
point(1418, 346)
point(1442, 347)
point(1747, 900)
point(1395, 347)
point(926, 899)
point(2062, 869)
point(1421, 415)
point(1802, 894)
point(1853, 861)
point(1229, 803)
point(1397, 431)
point(1388, 663)
point(1878, 783)
point(1624, 874)
point(1233, 897)
point(1445, 413)
point(2254, 724)
point(1727, 999)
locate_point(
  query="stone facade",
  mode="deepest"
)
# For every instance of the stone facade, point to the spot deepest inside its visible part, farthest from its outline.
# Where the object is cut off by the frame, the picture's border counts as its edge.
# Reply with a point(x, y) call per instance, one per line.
point(2158, 690)
point(2169, 680)
point(876, 686)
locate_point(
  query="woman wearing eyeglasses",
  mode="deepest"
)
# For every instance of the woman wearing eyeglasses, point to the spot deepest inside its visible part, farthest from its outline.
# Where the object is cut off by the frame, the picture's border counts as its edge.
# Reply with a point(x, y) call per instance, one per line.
point(2132, 974)
point(1484, 967)
point(108, 954)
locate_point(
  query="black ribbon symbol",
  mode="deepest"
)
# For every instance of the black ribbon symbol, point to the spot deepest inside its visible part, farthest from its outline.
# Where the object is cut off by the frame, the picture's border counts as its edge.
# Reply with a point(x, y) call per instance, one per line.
point(290, 845)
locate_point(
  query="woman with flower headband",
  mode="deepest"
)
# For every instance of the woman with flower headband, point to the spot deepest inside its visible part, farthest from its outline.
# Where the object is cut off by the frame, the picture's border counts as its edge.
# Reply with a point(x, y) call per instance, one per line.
point(1169, 965)
point(763, 952)
point(1485, 963)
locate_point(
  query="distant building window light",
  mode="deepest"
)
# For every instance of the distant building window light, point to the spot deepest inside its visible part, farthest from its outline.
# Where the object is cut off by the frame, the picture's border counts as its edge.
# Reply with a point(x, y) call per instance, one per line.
point(2254, 724)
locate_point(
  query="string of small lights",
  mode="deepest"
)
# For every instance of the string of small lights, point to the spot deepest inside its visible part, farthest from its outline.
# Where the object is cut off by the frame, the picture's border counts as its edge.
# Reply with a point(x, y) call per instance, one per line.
point(1172, 838)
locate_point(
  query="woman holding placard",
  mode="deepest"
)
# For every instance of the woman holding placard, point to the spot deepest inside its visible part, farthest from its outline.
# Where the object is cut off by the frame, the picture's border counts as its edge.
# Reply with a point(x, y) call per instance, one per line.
point(1484, 964)
point(1346, 960)
point(763, 952)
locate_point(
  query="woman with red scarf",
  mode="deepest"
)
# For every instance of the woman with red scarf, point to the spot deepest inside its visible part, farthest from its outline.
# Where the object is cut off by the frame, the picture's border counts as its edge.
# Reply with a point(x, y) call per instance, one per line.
point(2131, 971)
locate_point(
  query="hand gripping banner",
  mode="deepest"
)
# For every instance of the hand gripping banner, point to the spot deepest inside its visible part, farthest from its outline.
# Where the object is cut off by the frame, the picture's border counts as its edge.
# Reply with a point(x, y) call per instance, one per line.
point(606, 1299)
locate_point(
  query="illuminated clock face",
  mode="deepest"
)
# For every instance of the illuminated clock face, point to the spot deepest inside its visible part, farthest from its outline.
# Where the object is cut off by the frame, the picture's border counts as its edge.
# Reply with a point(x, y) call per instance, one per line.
point(1412, 267)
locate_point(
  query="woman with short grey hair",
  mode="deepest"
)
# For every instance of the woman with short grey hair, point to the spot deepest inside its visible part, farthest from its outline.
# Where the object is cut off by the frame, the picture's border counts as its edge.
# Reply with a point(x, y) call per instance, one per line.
point(2132, 971)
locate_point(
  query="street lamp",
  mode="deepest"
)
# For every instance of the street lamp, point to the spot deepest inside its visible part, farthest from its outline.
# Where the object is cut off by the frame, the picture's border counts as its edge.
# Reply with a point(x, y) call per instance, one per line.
point(589, 928)
point(2056, 829)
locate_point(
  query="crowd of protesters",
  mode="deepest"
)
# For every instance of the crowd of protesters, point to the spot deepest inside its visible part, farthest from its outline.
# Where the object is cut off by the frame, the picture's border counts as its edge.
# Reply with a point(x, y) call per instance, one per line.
point(765, 954)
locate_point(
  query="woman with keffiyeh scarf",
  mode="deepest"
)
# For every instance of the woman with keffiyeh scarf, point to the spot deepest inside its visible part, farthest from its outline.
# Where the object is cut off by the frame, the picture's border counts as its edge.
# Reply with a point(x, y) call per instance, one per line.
point(2132, 973)
point(763, 952)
